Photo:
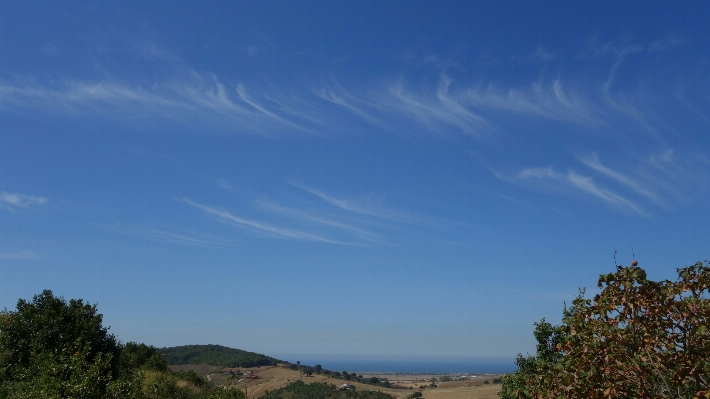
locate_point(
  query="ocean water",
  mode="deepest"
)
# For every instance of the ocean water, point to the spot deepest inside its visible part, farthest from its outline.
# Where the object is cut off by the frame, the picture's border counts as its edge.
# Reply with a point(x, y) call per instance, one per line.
point(418, 365)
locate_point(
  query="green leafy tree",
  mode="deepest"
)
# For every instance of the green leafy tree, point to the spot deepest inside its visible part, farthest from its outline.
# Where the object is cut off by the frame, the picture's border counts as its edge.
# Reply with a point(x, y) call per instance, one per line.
point(141, 356)
point(547, 354)
point(53, 348)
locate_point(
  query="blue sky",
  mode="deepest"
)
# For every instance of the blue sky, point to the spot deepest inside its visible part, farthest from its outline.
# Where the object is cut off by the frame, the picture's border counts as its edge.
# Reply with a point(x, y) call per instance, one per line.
point(348, 179)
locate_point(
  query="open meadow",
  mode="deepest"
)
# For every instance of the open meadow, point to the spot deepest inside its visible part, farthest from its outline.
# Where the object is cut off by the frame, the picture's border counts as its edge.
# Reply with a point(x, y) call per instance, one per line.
point(274, 377)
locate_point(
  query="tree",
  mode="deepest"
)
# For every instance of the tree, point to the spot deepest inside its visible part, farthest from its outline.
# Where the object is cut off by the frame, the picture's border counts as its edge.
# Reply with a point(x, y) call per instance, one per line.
point(636, 339)
point(319, 368)
point(53, 348)
point(547, 354)
point(142, 356)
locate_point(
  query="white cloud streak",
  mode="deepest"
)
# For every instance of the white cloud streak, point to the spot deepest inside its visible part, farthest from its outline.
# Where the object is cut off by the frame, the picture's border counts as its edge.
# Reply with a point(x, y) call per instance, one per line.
point(587, 184)
point(549, 178)
point(593, 162)
point(299, 214)
point(552, 102)
point(183, 101)
point(207, 101)
point(344, 99)
point(367, 209)
point(20, 200)
point(170, 237)
point(260, 226)
point(435, 112)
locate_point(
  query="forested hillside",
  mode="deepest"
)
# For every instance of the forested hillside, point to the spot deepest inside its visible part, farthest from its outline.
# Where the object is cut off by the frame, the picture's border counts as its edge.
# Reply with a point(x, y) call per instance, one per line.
point(215, 355)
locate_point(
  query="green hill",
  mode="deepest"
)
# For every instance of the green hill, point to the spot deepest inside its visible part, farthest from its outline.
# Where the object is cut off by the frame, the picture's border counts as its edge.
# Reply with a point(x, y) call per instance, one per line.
point(215, 355)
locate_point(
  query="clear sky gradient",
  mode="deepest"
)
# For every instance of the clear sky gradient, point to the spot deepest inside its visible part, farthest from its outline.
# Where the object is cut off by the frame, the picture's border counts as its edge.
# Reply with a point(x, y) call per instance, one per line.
point(348, 179)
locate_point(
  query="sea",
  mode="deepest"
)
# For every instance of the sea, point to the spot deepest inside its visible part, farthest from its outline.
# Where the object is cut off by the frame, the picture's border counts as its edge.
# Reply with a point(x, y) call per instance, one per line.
point(409, 365)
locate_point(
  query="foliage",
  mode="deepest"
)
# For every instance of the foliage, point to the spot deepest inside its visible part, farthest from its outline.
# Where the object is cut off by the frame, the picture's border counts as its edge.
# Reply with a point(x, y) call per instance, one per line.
point(215, 355)
point(300, 390)
point(547, 337)
point(142, 356)
point(636, 339)
point(51, 348)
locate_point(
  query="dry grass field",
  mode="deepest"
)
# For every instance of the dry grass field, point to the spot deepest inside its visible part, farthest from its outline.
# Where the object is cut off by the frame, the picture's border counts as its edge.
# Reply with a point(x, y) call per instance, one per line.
point(274, 377)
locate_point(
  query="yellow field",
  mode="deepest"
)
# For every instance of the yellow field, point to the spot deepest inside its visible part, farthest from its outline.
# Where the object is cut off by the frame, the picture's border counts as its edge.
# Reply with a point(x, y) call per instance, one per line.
point(274, 377)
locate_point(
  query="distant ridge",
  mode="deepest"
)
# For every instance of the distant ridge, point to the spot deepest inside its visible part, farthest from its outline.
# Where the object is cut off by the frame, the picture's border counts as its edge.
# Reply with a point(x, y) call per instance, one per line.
point(215, 355)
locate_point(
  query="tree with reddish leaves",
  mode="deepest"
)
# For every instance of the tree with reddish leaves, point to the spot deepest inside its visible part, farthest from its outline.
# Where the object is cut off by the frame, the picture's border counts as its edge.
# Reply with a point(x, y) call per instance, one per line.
point(636, 339)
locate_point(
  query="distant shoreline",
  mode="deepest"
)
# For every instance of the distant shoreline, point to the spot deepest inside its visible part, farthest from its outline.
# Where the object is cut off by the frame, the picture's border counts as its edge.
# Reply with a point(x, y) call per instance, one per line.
point(412, 366)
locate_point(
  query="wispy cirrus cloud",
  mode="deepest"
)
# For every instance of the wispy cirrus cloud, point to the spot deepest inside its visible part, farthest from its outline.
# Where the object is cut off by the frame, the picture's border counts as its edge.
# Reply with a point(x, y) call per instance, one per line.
point(592, 161)
point(435, 111)
point(357, 232)
point(467, 109)
point(550, 179)
point(224, 184)
point(17, 200)
point(342, 98)
point(20, 255)
point(632, 184)
point(404, 104)
point(201, 100)
point(552, 101)
point(196, 100)
point(367, 208)
point(154, 234)
point(261, 227)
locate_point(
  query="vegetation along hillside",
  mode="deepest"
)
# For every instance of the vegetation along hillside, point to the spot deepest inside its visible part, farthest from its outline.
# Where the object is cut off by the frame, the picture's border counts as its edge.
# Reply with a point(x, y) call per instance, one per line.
point(53, 348)
point(215, 355)
point(300, 390)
